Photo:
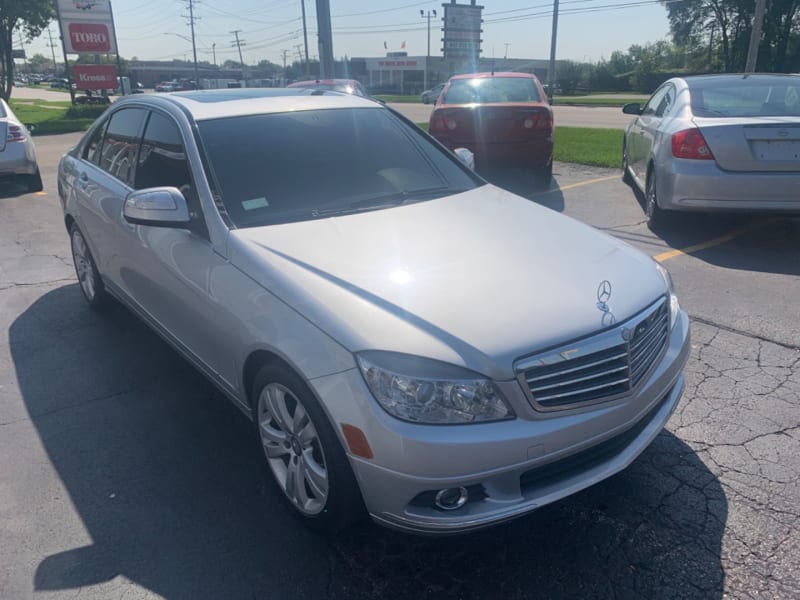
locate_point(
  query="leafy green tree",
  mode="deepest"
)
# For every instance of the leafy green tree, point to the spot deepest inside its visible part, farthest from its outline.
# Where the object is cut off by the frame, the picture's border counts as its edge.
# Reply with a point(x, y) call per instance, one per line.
point(29, 16)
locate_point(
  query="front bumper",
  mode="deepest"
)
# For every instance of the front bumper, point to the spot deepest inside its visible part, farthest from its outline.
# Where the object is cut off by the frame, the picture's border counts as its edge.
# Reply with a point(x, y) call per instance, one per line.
point(511, 467)
point(698, 185)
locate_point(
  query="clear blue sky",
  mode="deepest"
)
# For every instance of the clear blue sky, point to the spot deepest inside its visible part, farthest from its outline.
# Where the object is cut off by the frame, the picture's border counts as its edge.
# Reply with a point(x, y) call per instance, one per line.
point(588, 29)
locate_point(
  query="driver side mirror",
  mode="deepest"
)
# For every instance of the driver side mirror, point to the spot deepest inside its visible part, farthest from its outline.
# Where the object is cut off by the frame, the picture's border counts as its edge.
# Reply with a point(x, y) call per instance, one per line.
point(633, 108)
point(157, 207)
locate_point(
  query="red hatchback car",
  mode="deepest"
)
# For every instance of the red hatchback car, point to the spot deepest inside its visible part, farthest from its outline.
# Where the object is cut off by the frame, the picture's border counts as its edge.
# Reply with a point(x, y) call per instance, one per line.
point(503, 118)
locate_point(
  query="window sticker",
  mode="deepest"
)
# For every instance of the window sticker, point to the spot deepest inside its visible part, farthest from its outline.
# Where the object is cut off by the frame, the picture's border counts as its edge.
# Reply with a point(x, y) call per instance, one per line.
point(255, 203)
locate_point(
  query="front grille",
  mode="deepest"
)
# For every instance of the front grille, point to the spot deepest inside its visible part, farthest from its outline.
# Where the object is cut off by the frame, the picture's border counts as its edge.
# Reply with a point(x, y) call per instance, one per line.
point(598, 368)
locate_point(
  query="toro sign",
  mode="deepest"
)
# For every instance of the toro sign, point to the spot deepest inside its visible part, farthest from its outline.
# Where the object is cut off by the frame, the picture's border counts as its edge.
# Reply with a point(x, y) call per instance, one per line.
point(95, 77)
point(89, 37)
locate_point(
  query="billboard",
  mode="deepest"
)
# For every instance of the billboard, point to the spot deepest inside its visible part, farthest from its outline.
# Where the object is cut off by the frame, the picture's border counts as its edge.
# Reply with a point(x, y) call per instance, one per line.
point(462, 31)
point(85, 10)
point(88, 38)
point(95, 77)
point(87, 26)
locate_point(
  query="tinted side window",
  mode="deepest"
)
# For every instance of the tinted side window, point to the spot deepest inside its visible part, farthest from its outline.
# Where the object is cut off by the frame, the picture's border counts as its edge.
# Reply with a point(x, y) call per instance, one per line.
point(92, 152)
point(162, 158)
point(655, 100)
point(122, 142)
point(666, 102)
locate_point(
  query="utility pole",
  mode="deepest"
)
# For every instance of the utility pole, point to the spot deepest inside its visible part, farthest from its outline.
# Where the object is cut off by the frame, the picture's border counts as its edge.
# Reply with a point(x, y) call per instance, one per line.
point(551, 71)
point(325, 39)
point(192, 19)
point(755, 36)
point(507, 44)
point(428, 56)
point(239, 43)
point(214, 52)
point(52, 49)
point(284, 53)
point(305, 37)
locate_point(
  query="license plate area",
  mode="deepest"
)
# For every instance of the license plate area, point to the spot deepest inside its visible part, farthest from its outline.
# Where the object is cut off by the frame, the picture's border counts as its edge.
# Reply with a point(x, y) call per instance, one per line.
point(781, 150)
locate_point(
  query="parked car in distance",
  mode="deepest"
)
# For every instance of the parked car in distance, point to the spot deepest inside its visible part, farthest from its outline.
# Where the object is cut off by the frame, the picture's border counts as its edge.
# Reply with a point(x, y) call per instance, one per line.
point(430, 96)
point(407, 339)
point(347, 86)
point(503, 118)
point(716, 143)
point(17, 152)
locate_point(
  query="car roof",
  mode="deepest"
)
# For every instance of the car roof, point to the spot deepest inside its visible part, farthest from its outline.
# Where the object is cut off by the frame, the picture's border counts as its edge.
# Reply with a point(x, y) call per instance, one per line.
point(214, 104)
point(731, 77)
point(492, 74)
point(311, 82)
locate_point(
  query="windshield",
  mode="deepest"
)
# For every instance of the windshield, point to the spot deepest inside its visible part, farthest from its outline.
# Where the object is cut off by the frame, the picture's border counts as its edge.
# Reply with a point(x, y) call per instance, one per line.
point(285, 167)
point(490, 90)
point(776, 97)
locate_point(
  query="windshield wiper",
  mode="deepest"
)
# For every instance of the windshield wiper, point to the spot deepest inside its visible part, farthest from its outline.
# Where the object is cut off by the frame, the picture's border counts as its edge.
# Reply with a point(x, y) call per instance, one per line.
point(387, 200)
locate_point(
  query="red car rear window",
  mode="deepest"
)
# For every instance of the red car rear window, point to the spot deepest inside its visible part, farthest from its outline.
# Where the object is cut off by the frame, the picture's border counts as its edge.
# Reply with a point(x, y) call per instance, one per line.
point(491, 90)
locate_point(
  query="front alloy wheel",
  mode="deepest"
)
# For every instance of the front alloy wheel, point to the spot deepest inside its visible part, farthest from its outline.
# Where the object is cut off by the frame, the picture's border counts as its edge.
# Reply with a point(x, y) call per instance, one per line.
point(293, 449)
point(303, 452)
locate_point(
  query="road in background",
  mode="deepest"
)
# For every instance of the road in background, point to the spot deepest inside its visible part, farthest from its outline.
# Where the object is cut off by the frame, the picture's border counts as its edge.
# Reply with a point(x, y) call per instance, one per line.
point(602, 117)
point(124, 474)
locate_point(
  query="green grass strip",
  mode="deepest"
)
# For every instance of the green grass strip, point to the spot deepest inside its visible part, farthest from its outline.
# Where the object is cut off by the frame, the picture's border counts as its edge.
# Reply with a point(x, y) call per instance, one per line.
point(588, 146)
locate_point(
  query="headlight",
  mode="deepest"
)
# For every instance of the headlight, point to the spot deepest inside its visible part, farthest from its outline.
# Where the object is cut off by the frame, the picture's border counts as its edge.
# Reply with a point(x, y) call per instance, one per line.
point(674, 307)
point(426, 391)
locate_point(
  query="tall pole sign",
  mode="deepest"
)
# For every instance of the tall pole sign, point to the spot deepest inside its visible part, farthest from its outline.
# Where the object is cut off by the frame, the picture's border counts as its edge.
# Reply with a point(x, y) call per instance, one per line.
point(87, 27)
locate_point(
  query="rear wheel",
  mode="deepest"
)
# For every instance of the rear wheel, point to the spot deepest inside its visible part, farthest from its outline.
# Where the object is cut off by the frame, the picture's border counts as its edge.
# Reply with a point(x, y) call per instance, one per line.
point(545, 174)
point(89, 279)
point(302, 452)
point(656, 216)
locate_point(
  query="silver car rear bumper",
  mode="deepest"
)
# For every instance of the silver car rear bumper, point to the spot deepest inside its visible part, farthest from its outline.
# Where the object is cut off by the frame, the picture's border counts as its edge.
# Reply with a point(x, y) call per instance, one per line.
point(694, 185)
point(514, 467)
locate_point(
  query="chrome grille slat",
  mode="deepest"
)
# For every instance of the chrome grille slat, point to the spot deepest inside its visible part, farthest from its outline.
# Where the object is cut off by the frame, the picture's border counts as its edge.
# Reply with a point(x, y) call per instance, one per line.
point(573, 381)
point(598, 368)
point(583, 390)
point(582, 367)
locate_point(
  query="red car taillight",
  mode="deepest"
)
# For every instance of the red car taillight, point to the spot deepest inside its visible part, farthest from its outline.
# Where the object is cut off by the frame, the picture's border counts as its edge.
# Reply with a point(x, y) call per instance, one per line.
point(539, 121)
point(15, 133)
point(690, 143)
point(442, 123)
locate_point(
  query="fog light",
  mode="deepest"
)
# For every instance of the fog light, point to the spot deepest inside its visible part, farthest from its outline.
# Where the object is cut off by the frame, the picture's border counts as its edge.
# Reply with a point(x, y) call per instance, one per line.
point(451, 498)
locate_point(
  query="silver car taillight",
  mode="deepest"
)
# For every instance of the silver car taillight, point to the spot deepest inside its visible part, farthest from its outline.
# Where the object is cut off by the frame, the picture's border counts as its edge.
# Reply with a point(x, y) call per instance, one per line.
point(15, 134)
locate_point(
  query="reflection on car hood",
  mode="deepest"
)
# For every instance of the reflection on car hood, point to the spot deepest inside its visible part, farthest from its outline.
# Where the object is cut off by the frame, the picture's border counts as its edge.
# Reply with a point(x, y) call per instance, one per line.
point(478, 278)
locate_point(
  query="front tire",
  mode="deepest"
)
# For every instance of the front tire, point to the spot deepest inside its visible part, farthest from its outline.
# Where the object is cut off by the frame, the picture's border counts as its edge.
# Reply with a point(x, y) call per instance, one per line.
point(302, 451)
point(626, 175)
point(85, 268)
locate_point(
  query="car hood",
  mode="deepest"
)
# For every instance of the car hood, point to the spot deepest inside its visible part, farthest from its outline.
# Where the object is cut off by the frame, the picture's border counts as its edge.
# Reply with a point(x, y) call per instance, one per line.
point(477, 279)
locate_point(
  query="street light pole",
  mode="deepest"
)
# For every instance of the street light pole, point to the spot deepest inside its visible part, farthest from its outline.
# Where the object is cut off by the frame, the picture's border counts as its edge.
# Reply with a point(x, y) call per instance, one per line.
point(214, 52)
point(428, 56)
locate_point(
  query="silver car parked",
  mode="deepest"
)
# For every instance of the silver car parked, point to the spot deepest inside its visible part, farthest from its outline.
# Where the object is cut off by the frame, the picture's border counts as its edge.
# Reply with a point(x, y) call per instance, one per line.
point(406, 338)
point(716, 143)
point(17, 152)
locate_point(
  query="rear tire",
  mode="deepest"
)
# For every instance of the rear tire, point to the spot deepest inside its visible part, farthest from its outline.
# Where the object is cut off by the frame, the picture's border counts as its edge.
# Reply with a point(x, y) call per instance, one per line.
point(34, 182)
point(85, 268)
point(302, 452)
point(545, 174)
point(657, 217)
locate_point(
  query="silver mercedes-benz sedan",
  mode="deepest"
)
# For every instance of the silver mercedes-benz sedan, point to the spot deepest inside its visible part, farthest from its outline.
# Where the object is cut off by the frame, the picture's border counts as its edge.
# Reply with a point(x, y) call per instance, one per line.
point(407, 339)
point(17, 152)
point(716, 143)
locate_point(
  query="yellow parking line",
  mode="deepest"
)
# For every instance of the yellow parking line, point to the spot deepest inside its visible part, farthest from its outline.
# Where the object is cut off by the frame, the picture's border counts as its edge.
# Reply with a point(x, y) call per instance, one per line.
point(40, 193)
point(589, 182)
point(702, 245)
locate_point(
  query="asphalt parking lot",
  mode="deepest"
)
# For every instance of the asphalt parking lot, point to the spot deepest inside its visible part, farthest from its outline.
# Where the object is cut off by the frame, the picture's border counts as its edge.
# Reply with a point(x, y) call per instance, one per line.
point(123, 473)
